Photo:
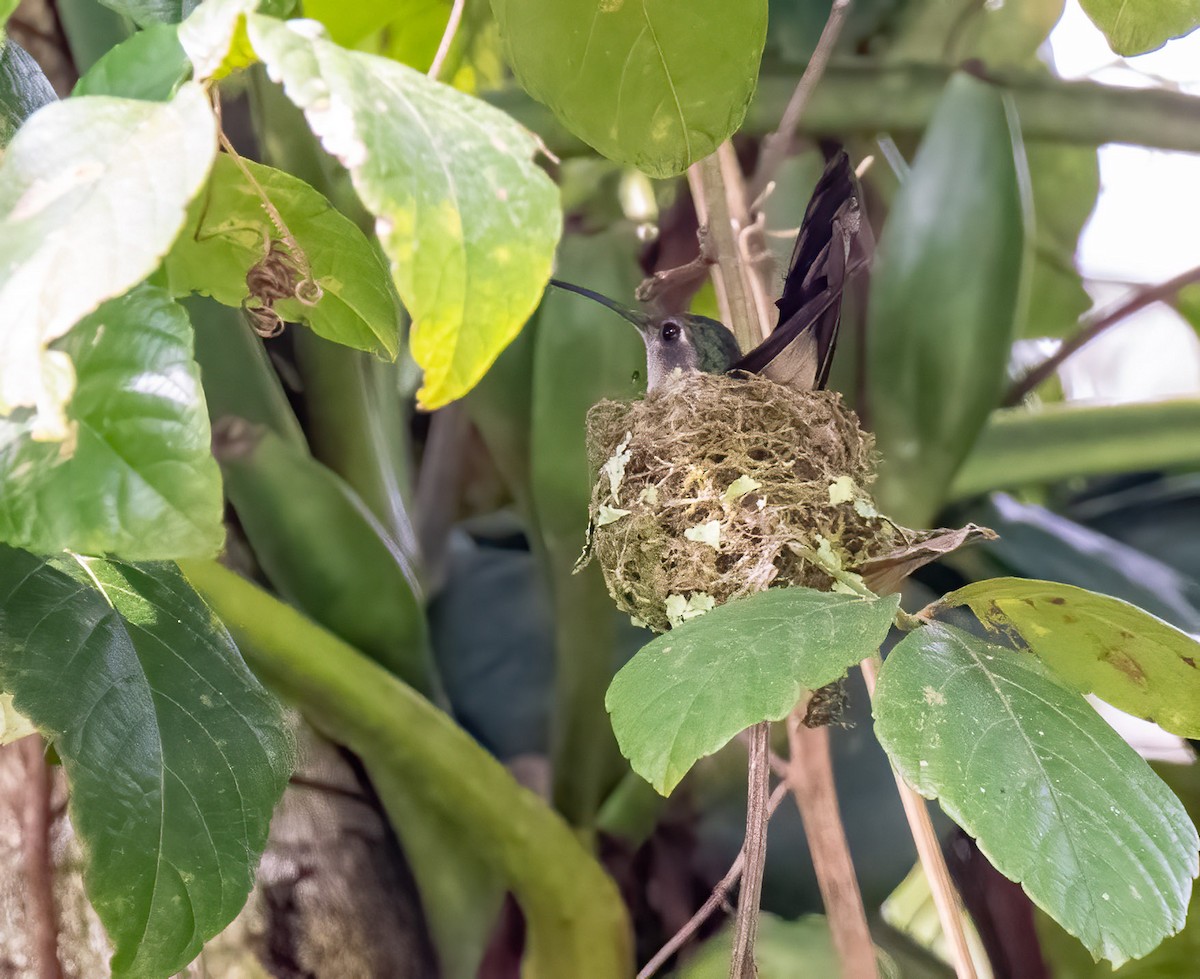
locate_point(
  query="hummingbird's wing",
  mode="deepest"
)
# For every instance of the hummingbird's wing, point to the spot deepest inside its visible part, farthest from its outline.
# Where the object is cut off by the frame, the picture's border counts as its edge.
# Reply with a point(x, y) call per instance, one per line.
point(834, 242)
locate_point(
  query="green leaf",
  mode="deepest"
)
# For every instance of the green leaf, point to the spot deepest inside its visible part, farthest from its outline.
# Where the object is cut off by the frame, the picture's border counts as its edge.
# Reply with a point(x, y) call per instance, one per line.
point(466, 218)
point(151, 65)
point(174, 753)
point(1098, 645)
point(945, 298)
point(6, 10)
point(344, 570)
point(582, 354)
point(1058, 802)
point(1065, 181)
point(1138, 26)
point(658, 86)
point(1173, 959)
point(146, 13)
point(227, 232)
point(421, 761)
point(23, 88)
point(135, 477)
point(92, 193)
point(689, 691)
point(1020, 447)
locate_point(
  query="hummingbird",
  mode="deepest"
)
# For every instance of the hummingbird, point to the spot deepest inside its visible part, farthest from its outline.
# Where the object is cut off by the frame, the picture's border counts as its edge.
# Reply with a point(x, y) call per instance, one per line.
point(834, 242)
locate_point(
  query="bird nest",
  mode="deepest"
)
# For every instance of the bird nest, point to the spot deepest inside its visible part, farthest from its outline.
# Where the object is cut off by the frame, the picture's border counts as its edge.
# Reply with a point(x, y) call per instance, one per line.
point(721, 486)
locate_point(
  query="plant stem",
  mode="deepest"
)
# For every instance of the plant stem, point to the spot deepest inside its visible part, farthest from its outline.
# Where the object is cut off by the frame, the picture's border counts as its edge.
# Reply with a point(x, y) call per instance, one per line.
point(720, 204)
point(719, 191)
point(712, 207)
point(432, 777)
point(1092, 327)
point(929, 851)
point(443, 50)
point(754, 257)
point(810, 777)
point(862, 97)
point(715, 900)
point(775, 146)
point(39, 872)
point(758, 785)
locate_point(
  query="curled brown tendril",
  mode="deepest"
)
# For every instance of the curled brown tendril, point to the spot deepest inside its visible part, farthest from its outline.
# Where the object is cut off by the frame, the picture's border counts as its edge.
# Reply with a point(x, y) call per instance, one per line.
point(277, 275)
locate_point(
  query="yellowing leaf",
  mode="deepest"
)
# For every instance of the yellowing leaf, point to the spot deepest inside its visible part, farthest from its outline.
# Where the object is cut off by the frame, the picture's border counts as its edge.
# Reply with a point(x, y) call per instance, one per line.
point(1098, 644)
point(466, 218)
point(214, 37)
point(13, 724)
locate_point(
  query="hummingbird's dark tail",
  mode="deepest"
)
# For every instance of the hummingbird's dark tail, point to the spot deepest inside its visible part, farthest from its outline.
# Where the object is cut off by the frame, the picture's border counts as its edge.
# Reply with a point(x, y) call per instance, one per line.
point(834, 243)
point(623, 311)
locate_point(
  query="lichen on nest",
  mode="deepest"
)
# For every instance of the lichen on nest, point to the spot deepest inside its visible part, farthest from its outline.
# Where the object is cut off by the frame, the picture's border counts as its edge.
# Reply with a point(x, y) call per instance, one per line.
point(721, 486)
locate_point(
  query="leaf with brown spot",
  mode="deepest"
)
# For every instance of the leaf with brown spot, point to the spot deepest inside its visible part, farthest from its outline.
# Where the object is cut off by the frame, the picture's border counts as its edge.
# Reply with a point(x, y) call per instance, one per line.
point(1124, 655)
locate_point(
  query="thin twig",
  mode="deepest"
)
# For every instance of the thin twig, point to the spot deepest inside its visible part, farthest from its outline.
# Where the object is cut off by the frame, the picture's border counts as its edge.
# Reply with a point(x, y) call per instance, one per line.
point(750, 243)
point(779, 766)
point(714, 903)
point(673, 288)
point(1094, 326)
point(327, 788)
point(810, 776)
point(776, 146)
point(443, 50)
point(758, 787)
point(281, 228)
point(712, 208)
point(929, 851)
point(39, 872)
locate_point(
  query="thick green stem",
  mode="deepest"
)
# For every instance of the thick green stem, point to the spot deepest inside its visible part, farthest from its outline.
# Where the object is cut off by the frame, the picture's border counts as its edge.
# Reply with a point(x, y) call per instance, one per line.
point(356, 426)
point(419, 759)
point(864, 97)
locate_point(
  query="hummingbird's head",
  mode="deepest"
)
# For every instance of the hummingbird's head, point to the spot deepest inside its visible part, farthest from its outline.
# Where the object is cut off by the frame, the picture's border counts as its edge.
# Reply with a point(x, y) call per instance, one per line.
point(677, 344)
point(681, 343)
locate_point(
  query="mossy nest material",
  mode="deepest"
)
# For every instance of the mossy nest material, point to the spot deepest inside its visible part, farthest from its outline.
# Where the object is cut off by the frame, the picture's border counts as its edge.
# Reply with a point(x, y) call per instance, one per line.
point(722, 486)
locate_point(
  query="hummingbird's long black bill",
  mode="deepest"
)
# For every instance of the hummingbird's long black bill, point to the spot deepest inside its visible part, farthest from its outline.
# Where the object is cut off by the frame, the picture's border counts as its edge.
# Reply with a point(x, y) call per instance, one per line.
point(632, 315)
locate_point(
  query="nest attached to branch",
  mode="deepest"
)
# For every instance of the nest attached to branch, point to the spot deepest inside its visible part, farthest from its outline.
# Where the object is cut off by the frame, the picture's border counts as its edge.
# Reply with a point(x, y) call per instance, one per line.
point(721, 486)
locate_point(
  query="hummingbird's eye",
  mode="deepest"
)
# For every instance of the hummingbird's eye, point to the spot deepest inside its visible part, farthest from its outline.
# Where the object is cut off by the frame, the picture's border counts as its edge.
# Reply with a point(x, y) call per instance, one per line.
point(671, 331)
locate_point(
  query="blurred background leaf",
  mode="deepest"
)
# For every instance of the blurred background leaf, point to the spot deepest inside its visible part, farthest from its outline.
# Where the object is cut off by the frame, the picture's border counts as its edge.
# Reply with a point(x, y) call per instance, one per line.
point(947, 296)
point(656, 92)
